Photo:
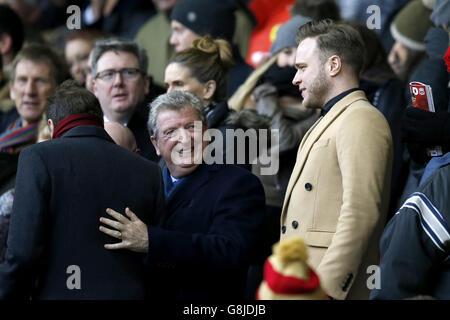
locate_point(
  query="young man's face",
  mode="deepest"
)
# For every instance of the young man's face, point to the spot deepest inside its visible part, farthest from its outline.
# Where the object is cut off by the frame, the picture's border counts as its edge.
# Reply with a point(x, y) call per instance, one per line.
point(310, 78)
point(181, 37)
point(34, 82)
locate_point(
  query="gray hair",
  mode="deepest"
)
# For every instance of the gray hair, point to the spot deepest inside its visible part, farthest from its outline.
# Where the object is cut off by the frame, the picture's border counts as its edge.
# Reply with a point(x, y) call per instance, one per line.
point(175, 101)
point(116, 44)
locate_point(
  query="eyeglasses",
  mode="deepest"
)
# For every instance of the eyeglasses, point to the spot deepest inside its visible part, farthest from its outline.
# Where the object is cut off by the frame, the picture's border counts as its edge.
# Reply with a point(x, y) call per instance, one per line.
point(126, 74)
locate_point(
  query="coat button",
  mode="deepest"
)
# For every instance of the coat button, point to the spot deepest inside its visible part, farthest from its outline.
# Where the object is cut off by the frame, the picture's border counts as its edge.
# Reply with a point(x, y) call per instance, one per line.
point(283, 229)
point(308, 186)
point(294, 224)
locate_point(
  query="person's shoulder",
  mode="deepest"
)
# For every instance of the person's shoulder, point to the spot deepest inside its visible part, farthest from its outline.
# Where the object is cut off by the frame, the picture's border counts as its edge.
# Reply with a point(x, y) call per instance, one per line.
point(438, 183)
point(361, 108)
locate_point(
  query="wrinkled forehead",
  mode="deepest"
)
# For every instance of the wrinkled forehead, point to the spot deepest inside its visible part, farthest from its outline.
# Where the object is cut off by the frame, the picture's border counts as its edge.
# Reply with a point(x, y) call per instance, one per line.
point(171, 116)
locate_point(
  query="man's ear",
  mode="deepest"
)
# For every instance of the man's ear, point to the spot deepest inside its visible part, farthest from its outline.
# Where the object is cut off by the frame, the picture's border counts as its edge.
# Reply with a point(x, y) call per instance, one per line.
point(209, 89)
point(51, 126)
point(334, 65)
point(94, 87)
point(155, 144)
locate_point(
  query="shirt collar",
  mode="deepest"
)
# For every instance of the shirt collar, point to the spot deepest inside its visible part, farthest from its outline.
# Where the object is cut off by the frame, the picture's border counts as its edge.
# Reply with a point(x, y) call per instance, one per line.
point(327, 107)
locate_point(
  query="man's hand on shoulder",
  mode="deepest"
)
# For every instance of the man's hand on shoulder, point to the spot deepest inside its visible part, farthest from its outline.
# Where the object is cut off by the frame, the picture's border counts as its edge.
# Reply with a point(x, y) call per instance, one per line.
point(133, 232)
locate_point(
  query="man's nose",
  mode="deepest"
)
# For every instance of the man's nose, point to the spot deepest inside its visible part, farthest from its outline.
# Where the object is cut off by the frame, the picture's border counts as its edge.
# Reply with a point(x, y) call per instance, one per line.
point(118, 79)
point(172, 39)
point(30, 87)
point(296, 81)
point(184, 136)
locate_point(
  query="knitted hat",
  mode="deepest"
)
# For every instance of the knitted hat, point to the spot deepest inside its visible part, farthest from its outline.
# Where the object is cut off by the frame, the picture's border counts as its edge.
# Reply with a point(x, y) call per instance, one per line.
point(287, 275)
point(215, 18)
point(285, 37)
point(412, 23)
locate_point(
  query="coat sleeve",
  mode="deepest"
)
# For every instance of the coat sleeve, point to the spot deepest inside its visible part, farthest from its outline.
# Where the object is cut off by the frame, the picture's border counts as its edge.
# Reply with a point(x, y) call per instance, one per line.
point(413, 250)
point(364, 154)
point(236, 221)
point(26, 239)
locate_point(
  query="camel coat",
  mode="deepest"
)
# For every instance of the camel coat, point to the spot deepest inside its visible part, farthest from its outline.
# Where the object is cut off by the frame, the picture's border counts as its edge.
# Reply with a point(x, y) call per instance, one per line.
point(338, 194)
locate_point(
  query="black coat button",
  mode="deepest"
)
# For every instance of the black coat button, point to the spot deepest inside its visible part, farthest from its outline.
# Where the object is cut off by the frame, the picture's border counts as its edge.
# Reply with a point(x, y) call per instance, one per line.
point(308, 186)
point(283, 229)
point(294, 224)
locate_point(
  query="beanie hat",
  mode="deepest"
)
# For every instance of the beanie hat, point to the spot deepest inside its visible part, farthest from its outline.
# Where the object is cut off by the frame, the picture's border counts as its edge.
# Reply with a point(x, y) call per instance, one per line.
point(285, 37)
point(287, 275)
point(215, 18)
point(411, 24)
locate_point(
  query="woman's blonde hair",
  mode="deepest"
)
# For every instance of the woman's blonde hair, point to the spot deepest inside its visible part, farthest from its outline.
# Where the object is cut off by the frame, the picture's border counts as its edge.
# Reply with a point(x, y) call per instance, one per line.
point(208, 59)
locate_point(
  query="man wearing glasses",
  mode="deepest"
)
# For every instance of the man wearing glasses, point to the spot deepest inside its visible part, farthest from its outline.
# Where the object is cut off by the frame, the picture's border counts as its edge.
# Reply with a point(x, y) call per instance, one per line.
point(120, 83)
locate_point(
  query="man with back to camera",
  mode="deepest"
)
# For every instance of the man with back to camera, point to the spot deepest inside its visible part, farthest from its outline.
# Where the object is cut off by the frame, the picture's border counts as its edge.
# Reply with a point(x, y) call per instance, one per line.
point(338, 193)
point(63, 186)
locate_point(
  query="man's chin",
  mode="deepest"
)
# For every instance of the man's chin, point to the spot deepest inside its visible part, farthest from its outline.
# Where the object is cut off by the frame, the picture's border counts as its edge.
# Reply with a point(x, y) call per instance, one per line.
point(179, 171)
point(122, 108)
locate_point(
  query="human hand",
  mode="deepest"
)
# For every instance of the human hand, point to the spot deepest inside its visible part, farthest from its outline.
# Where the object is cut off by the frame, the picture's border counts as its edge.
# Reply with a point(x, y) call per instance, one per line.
point(133, 232)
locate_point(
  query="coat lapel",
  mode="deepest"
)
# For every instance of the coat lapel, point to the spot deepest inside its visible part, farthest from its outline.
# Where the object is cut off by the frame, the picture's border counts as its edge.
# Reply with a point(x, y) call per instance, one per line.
point(313, 134)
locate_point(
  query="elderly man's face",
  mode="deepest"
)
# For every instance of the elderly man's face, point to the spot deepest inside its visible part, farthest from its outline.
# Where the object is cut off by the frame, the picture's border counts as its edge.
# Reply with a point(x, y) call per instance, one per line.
point(34, 82)
point(120, 94)
point(181, 37)
point(179, 141)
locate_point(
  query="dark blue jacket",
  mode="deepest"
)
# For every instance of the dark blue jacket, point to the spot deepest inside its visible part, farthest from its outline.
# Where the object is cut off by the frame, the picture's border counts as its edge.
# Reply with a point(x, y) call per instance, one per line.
point(63, 187)
point(214, 219)
point(415, 246)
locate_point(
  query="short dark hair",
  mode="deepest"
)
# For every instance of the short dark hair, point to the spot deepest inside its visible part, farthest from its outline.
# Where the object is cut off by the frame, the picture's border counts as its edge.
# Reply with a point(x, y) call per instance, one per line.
point(70, 98)
point(11, 24)
point(40, 53)
point(335, 38)
point(117, 44)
